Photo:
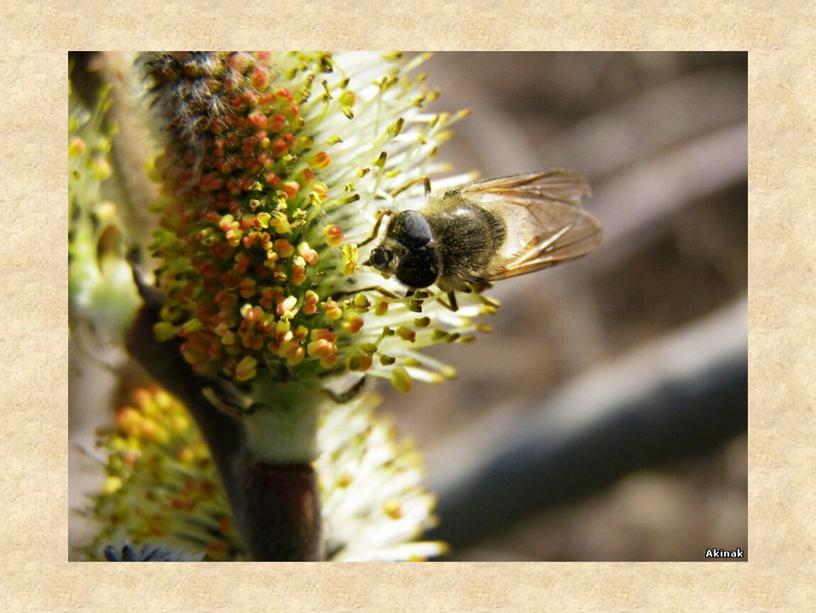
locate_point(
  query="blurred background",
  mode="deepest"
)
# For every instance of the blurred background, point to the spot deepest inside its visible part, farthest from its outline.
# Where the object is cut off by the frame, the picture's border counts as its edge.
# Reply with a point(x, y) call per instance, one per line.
point(605, 417)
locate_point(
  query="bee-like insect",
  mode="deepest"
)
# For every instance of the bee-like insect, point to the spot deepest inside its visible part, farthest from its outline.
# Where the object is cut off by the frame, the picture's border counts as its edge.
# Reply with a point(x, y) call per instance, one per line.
point(466, 238)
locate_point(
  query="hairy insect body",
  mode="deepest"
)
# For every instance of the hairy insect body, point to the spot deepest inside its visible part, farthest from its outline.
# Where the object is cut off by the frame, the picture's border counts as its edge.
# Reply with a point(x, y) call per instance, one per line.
point(466, 238)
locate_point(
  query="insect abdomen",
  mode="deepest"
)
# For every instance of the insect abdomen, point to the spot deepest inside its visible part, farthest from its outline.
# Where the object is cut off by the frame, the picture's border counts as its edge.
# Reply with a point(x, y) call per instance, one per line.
point(467, 236)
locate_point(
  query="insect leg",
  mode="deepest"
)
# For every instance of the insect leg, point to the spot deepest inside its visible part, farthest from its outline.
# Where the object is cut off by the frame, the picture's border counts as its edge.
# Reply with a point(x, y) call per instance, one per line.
point(453, 306)
point(348, 395)
point(477, 288)
point(425, 180)
point(380, 216)
point(412, 299)
point(371, 288)
point(226, 407)
point(490, 302)
point(480, 286)
point(416, 300)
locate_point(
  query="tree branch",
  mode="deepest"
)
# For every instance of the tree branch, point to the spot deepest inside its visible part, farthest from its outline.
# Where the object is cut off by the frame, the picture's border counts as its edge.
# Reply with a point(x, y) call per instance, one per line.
point(679, 397)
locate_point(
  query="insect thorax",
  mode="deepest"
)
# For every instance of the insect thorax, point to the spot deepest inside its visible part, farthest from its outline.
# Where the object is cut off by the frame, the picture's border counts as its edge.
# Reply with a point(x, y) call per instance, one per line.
point(409, 243)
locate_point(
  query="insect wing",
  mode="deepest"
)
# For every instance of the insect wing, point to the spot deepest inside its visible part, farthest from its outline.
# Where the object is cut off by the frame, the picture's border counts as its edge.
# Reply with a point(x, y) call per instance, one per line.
point(545, 224)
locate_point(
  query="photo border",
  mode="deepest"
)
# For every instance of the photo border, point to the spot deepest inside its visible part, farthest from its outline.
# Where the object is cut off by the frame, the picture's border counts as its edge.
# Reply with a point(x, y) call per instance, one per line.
point(34, 486)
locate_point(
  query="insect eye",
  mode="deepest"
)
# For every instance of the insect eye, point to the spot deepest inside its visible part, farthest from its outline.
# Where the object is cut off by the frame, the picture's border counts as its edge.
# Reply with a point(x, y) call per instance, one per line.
point(379, 258)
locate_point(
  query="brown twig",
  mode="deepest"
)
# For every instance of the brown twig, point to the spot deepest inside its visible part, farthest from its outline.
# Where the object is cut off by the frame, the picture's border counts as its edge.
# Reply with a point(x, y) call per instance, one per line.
point(664, 402)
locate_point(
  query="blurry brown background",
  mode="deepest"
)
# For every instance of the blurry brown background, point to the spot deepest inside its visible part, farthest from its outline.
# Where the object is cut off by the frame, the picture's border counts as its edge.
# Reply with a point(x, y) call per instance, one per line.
point(604, 418)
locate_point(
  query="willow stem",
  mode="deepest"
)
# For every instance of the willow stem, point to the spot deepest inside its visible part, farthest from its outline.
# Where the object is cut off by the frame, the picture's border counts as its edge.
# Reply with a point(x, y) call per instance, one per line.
point(282, 513)
point(275, 506)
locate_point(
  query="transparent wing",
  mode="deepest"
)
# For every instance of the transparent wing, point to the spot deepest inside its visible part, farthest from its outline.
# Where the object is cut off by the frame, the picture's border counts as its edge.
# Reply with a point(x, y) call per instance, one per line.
point(545, 224)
